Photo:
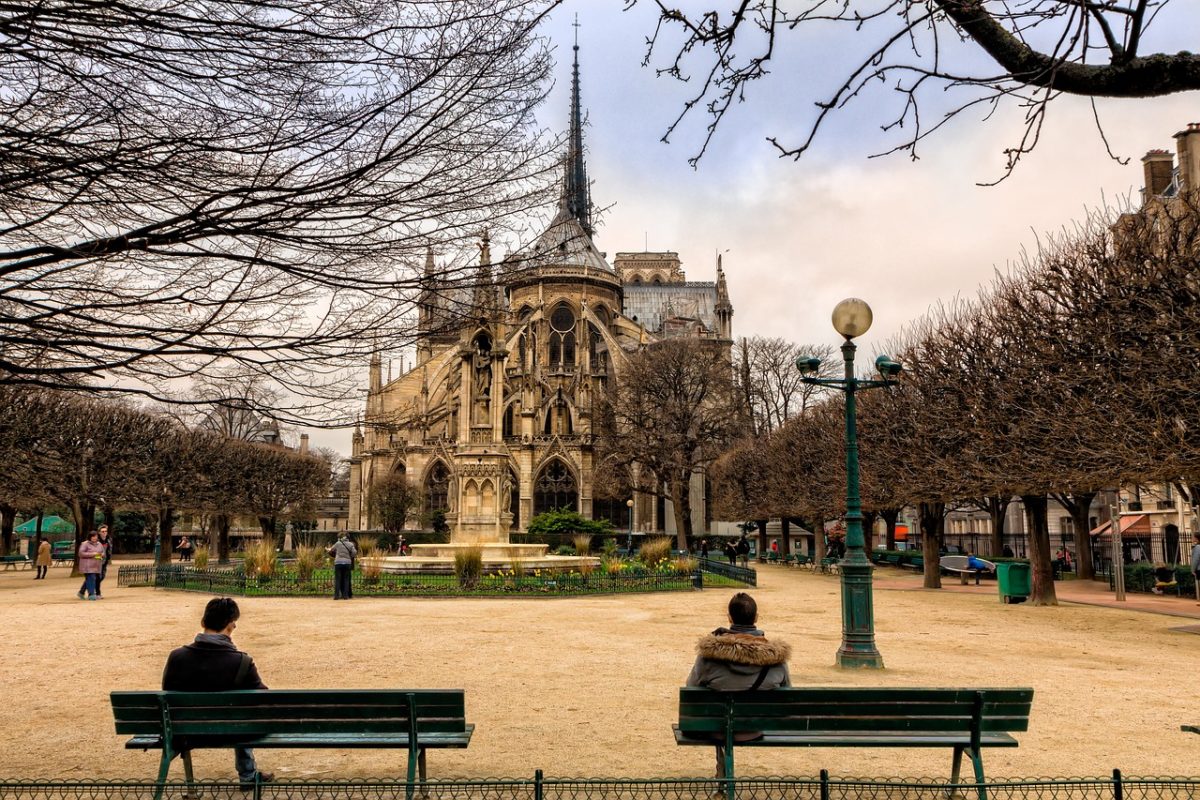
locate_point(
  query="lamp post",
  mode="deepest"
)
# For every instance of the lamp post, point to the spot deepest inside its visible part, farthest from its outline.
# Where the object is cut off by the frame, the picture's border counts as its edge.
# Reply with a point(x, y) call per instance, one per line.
point(629, 539)
point(852, 318)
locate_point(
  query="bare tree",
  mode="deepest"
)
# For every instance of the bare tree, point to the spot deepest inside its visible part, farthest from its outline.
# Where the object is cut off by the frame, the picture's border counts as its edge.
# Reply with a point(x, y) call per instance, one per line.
point(1034, 51)
point(769, 383)
point(670, 413)
point(250, 184)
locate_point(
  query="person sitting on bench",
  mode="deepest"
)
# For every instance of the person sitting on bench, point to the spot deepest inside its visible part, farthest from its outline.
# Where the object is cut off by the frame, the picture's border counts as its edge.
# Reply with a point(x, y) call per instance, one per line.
point(212, 663)
point(1164, 578)
point(738, 659)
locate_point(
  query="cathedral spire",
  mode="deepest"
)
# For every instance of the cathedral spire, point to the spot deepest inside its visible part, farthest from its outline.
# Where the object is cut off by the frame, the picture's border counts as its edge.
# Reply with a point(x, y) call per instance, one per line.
point(484, 295)
point(576, 191)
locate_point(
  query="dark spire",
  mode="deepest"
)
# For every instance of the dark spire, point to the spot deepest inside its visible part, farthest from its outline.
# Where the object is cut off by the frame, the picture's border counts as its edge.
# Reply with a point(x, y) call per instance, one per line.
point(577, 193)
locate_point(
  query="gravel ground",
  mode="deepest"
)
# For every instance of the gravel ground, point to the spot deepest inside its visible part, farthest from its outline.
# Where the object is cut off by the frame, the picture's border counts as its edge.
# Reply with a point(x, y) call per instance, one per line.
point(588, 686)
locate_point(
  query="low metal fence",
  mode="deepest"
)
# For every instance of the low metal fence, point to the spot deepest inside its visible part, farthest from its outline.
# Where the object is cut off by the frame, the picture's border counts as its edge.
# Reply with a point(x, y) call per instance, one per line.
point(745, 575)
point(821, 787)
point(507, 583)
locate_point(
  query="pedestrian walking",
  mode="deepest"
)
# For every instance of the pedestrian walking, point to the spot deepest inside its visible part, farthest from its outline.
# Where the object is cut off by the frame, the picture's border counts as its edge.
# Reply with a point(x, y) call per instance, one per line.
point(91, 554)
point(43, 558)
point(107, 544)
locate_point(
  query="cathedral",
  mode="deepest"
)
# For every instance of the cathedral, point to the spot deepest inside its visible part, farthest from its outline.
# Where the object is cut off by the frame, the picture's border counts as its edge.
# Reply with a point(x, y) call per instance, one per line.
point(493, 422)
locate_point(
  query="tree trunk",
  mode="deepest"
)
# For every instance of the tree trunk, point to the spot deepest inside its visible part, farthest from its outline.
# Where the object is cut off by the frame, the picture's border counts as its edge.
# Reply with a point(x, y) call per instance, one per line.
point(762, 536)
point(166, 523)
point(785, 528)
point(890, 515)
point(267, 525)
point(8, 520)
point(1039, 551)
point(221, 523)
point(681, 501)
point(868, 523)
point(819, 540)
point(997, 507)
point(933, 521)
point(1084, 568)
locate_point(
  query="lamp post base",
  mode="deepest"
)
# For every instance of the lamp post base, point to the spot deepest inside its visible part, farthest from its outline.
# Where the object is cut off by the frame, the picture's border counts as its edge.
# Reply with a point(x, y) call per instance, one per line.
point(858, 649)
point(852, 659)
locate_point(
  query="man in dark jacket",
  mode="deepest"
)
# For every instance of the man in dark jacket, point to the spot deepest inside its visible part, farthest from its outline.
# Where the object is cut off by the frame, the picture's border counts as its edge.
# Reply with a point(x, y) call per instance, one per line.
point(212, 663)
point(738, 659)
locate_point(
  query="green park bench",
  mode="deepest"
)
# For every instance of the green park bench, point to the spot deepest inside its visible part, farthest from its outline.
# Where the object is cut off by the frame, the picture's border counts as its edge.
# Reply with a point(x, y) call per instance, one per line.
point(916, 563)
point(179, 722)
point(15, 561)
point(830, 564)
point(966, 720)
point(62, 551)
point(892, 559)
point(1190, 728)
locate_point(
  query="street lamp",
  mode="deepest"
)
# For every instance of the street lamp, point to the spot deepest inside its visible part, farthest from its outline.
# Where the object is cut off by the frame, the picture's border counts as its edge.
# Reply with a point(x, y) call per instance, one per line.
point(629, 539)
point(852, 318)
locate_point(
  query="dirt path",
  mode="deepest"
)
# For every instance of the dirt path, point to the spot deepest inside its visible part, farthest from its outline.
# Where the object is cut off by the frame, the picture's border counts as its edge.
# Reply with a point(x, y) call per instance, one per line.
point(588, 686)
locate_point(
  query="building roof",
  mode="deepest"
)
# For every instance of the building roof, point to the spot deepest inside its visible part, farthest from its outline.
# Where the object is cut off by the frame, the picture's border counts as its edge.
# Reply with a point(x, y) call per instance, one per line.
point(651, 305)
point(1131, 525)
point(564, 244)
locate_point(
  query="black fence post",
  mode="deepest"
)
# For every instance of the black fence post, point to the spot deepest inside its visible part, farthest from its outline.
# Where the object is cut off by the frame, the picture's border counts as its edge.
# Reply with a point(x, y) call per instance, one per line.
point(537, 785)
point(1118, 786)
point(824, 784)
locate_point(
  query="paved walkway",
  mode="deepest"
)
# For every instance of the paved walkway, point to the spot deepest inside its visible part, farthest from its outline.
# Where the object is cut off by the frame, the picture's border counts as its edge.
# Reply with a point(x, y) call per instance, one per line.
point(1091, 593)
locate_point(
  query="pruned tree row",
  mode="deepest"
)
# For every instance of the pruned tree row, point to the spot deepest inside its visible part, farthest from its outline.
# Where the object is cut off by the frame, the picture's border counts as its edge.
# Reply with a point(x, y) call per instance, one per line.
point(92, 455)
point(1071, 374)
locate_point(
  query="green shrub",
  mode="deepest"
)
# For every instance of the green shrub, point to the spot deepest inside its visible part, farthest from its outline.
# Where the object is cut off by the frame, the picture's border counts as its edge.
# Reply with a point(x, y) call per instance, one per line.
point(565, 550)
point(309, 558)
point(562, 522)
point(468, 566)
point(655, 550)
point(609, 547)
point(260, 559)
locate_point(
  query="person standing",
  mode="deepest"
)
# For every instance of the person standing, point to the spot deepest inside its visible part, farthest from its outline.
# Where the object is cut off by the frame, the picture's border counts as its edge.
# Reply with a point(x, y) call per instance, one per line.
point(344, 553)
point(211, 663)
point(185, 549)
point(91, 557)
point(743, 550)
point(43, 558)
point(740, 659)
point(704, 548)
point(106, 543)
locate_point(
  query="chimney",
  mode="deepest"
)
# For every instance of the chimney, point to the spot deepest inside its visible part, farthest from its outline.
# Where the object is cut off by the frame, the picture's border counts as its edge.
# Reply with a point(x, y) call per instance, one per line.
point(1157, 166)
point(304, 444)
point(1187, 142)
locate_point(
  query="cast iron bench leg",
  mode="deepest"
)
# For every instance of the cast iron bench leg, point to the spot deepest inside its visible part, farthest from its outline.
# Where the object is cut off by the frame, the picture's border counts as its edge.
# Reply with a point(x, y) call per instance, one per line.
point(977, 763)
point(955, 770)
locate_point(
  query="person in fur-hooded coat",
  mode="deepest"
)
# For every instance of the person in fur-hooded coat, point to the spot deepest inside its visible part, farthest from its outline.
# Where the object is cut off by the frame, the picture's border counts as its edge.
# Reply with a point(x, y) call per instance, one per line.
point(740, 658)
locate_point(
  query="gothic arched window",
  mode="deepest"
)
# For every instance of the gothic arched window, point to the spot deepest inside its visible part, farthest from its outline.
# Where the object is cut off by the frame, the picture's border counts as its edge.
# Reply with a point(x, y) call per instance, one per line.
point(562, 337)
point(555, 488)
point(437, 488)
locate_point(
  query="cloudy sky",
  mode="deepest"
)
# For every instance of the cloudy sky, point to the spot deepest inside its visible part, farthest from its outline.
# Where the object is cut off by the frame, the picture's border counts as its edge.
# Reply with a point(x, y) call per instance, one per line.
point(798, 236)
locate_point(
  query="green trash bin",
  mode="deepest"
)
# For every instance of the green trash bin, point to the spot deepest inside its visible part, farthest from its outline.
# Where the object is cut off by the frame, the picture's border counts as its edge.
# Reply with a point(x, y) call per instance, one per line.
point(1014, 583)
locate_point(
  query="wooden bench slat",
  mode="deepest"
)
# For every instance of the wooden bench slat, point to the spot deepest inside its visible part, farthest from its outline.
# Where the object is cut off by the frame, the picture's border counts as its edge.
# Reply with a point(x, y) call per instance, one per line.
point(784, 707)
point(459, 740)
point(904, 694)
point(267, 697)
point(839, 739)
point(741, 723)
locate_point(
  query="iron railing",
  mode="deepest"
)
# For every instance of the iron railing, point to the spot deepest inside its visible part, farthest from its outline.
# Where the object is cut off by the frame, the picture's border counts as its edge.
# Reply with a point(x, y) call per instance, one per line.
point(530, 583)
point(821, 787)
point(744, 575)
